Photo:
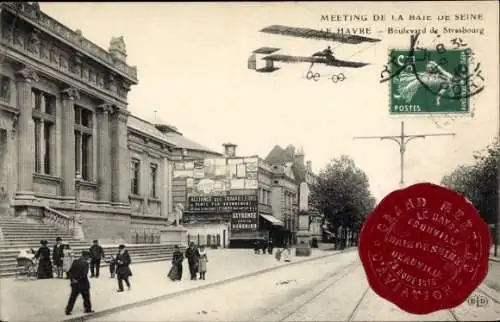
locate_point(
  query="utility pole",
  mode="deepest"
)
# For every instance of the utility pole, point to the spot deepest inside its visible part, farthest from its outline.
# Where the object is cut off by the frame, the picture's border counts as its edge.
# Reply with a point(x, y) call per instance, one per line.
point(402, 140)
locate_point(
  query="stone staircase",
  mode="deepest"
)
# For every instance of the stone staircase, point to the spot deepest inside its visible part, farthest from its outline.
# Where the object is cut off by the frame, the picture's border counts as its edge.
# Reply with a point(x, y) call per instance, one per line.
point(16, 234)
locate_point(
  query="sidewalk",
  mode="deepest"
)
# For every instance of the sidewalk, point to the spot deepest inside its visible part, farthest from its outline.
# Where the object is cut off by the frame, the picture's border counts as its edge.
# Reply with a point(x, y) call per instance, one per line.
point(492, 251)
point(44, 300)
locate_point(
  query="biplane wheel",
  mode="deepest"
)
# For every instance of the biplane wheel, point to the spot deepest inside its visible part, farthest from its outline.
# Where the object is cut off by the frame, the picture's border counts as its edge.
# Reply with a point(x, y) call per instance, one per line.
point(313, 76)
point(338, 78)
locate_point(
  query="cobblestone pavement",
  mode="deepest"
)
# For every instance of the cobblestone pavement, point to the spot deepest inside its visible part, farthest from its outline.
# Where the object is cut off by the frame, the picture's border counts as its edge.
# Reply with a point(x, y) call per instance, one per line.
point(329, 289)
point(44, 300)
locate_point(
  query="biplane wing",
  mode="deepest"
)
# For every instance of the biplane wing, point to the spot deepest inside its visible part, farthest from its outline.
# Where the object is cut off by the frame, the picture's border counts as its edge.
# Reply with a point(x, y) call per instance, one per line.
point(317, 60)
point(292, 59)
point(266, 50)
point(346, 63)
point(317, 34)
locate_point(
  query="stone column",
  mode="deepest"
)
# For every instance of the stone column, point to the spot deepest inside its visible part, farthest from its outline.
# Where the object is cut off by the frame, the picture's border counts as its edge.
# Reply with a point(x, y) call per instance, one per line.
point(68, 97)
point(26, 129)
point(104, 152)
point(120, 156)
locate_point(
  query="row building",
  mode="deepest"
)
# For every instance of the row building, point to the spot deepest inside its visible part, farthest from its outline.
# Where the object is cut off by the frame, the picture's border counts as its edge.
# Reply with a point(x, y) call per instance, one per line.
point(72, 153)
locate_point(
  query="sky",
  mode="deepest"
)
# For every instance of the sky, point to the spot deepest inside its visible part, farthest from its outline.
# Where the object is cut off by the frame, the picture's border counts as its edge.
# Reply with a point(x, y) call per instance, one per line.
point(192, 69)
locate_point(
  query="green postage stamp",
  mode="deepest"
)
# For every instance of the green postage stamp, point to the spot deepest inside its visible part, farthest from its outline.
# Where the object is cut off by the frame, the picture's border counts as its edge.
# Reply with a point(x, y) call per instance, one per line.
point(429, 82)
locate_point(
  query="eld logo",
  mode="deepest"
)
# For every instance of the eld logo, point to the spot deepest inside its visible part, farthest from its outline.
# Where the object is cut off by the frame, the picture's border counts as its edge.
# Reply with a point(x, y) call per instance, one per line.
point(477, 300)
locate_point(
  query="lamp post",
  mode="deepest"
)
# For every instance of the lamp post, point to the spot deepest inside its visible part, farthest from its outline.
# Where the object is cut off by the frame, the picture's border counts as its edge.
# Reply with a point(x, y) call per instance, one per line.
point(78, 180)
point(402, 140)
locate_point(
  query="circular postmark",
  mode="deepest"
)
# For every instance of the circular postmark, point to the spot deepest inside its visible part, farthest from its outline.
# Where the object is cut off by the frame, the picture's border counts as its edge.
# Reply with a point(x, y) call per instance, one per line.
point(441, 78)
point(424, 248)
point(449, 72)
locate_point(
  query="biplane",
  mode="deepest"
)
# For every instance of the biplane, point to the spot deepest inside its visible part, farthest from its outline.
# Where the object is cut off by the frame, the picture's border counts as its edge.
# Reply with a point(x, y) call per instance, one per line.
point(325, 57)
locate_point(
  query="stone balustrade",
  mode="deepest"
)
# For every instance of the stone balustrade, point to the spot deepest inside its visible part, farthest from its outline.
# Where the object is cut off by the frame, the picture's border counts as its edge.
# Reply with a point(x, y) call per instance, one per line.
point(58, 219)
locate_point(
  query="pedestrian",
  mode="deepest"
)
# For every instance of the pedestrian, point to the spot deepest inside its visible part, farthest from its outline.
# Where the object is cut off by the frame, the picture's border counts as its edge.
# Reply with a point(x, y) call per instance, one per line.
point(96, 254)
point(175, 273)
point(286, 253)
point(193, 257)
point(67, 259)
point(112, 266)
point(256, 247)
point(44, 263)
point(123, 271)
point(277, 255)
point(270, 247)
point(80, 284)
point(202, 266)
point(263, 246)
point(57, 257)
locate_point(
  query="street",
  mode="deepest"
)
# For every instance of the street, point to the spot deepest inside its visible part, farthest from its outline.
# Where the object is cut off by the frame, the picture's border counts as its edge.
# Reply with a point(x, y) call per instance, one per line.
point(333, 289)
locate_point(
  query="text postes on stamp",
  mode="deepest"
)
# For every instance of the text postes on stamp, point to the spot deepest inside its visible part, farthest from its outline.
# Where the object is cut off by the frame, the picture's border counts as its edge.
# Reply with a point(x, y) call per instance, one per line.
point(425, 249)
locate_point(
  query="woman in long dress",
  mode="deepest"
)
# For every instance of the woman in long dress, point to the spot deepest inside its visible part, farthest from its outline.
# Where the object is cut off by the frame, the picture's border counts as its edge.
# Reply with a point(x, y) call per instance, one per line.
point(67, 259)
point(285, 253)
point(175, 273)
point(202, 265)
point(44, 263)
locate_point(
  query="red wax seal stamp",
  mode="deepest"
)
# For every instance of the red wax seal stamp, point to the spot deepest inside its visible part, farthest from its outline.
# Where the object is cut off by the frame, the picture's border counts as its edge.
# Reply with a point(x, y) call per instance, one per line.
point(425, 248)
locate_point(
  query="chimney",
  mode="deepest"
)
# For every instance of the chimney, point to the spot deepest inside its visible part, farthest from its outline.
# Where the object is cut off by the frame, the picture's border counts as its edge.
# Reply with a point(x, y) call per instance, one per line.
point(309, 166)
point(229, 149)
point(299, 156)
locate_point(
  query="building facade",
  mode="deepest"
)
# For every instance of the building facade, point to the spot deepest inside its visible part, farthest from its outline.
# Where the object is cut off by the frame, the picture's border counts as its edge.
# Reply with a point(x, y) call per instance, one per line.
point(235, 200)
point(67, 140)
point(304, 178)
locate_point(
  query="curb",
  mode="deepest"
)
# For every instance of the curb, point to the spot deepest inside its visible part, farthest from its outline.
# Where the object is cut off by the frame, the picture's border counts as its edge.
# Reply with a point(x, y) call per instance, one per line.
point(493, 294)
point(493, 259)
point(189, 290)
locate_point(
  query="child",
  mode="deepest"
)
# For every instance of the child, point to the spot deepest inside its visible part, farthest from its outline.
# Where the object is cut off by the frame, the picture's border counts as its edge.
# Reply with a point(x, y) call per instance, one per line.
point(112, 266)
point(202, 266)
point(67, 259)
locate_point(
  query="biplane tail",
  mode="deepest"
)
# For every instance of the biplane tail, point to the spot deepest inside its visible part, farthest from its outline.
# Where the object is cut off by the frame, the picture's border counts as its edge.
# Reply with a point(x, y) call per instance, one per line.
point(257, 55)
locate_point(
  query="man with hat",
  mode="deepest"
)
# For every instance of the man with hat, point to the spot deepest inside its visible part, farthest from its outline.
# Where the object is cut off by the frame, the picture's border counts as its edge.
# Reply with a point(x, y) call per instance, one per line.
point(96, 254)
point(80, 284)
point(57, 257)
point(123, 271)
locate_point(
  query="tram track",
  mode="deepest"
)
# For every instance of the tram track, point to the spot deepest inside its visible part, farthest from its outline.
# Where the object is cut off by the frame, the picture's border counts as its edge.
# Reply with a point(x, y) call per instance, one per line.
point(358, 304)
point(285, 311)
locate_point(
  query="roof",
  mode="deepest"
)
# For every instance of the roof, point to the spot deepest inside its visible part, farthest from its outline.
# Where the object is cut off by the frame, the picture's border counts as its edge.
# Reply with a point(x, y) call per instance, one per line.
point(283, 156)
point(72, 37)
point(183, 142)
point(173, 138)
point(146, 127)
point(280, 155)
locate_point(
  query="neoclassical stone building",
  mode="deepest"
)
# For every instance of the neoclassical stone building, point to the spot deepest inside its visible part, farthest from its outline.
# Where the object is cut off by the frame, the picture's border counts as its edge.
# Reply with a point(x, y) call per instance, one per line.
point(68, 144)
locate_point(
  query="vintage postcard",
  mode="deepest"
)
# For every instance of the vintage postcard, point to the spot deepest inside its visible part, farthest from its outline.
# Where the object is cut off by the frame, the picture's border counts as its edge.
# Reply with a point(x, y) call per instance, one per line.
point(249, 161)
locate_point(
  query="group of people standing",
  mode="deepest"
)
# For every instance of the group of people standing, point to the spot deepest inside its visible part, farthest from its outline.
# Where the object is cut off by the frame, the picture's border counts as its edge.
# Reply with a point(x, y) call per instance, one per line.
point(60, 262)
point(197, 261)
point(263, 245)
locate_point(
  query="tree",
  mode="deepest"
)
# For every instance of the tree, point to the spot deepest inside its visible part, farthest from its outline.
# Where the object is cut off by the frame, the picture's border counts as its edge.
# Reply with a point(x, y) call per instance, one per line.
point(342, 194)
point(479, 182)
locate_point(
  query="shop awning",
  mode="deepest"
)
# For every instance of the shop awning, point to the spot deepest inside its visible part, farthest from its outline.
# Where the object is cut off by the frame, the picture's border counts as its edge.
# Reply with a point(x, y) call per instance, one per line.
point(273, 220)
